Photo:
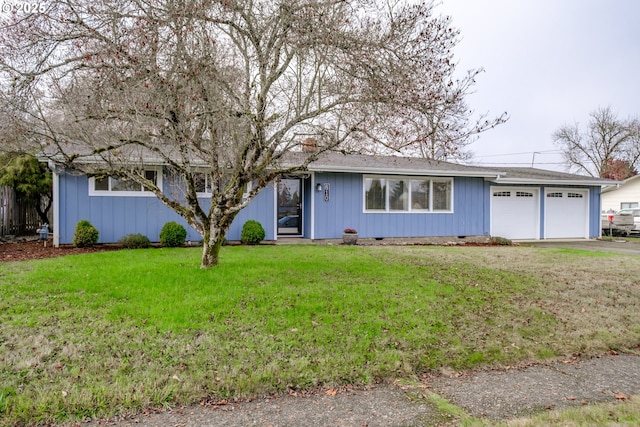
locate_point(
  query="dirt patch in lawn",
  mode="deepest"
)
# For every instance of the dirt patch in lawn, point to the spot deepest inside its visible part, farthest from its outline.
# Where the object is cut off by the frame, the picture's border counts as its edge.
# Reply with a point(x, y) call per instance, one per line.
point(593, 296)
point(35, 249)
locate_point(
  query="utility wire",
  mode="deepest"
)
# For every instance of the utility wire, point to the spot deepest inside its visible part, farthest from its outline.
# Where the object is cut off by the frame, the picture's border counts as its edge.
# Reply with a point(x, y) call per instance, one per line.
point(522, 153)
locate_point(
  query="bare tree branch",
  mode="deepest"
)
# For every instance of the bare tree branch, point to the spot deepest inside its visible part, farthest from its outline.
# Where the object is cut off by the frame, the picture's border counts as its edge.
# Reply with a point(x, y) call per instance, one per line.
point(605, 141)
point(229, 88)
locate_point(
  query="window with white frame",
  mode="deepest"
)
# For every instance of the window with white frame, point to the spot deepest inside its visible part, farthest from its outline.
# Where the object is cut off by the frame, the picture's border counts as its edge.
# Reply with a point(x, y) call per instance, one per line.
point(202, 182)
point(116, 186)
point(628, 205)
point(375, 194)
point(408, 194)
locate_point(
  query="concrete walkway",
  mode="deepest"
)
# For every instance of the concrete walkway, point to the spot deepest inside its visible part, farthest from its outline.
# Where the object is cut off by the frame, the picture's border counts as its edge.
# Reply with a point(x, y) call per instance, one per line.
point(495, 395)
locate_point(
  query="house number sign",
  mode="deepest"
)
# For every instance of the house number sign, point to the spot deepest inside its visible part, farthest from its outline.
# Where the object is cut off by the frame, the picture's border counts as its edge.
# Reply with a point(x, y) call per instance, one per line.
point(326, 192)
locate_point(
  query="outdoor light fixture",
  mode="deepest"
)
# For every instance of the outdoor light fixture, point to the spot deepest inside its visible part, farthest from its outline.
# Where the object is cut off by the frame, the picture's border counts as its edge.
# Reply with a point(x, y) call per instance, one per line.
point(319, 187)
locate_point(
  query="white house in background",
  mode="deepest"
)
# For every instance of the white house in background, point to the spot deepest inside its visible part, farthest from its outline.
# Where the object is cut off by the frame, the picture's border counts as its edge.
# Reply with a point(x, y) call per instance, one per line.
point(622, 196)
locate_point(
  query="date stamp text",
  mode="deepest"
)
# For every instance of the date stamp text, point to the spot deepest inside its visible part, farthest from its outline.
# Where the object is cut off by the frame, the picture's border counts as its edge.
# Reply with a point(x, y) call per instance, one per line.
point(22, 7)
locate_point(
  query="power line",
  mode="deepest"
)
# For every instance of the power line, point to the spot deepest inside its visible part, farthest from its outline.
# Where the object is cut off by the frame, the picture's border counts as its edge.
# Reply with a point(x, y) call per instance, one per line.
point(523, 163)
point(522, 153)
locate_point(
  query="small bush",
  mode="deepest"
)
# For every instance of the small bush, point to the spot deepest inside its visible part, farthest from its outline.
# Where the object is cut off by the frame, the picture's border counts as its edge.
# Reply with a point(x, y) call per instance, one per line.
point(173, 234)
point(252, 233)
point(135, 241)
point(85, 234)
point(501, 241)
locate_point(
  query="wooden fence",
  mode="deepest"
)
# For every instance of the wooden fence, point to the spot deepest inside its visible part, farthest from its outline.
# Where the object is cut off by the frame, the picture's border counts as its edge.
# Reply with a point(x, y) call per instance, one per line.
point(17, 218)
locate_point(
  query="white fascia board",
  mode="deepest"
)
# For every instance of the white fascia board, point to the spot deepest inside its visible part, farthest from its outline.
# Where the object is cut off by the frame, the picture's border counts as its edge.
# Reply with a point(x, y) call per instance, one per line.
point(523, 181)
point(99, 161)
point(385, 171)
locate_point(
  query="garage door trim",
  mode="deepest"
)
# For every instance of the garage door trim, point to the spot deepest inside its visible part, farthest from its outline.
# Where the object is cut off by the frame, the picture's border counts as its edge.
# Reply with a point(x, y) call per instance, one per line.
point(532, 221)
point(585, 194)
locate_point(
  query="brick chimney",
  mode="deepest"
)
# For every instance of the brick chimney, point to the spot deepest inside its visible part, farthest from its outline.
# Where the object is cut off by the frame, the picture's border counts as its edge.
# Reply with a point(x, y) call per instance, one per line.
point(309, 144)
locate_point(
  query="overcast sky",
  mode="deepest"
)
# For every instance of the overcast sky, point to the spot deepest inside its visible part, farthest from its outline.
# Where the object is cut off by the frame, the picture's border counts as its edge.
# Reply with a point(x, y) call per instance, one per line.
point(547, 63)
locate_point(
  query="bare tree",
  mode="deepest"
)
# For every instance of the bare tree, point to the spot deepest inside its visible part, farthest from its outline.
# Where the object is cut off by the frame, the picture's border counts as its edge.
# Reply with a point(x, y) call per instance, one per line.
point(606, 141)
point(438, 129)
point(228, 88)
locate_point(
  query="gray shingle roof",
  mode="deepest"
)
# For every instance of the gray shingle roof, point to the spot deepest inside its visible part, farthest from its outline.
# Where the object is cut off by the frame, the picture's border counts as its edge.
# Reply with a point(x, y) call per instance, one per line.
point(391, 165)
point(520, 175)
point(360, 163)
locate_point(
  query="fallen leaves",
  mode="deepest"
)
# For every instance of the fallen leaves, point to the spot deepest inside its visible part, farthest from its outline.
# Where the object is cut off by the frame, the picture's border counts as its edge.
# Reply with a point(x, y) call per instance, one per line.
point(621, 396)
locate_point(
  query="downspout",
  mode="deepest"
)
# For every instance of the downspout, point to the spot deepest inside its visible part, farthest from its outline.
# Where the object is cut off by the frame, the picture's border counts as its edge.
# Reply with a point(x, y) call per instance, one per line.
point(56, 207)
point(275, 208)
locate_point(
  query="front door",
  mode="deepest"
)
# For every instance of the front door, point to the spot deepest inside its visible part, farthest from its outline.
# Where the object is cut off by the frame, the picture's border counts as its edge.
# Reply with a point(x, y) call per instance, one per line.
point(290, 207)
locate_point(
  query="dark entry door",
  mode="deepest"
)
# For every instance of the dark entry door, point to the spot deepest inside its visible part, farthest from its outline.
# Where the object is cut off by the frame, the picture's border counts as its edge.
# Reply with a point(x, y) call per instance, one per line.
point(290, 207)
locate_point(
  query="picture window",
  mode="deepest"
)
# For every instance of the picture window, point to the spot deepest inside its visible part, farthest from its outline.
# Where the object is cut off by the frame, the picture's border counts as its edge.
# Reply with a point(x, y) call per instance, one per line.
point(408, 194)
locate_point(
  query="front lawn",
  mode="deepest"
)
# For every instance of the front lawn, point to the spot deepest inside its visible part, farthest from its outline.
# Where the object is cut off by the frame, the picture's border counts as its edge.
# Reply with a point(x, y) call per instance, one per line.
point(98, 334)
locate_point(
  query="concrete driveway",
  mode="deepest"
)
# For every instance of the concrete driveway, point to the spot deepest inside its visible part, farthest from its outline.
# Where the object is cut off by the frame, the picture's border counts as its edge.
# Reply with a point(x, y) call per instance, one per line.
point(631, 247)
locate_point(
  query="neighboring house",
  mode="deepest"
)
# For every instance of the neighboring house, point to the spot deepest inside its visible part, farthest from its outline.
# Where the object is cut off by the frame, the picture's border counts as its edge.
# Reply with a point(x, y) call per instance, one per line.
point(380, 196)
point(624, 195)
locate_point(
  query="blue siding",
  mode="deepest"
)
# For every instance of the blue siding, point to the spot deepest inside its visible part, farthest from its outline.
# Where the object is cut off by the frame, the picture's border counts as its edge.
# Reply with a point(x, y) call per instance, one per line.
point(345, 209)
point(262, 209)
point(594, 212)
point(116, 217)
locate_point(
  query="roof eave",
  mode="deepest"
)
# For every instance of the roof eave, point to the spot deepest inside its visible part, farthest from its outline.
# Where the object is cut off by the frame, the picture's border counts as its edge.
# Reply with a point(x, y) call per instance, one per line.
point(523, 181)
point(399, 171)
point(98, 160)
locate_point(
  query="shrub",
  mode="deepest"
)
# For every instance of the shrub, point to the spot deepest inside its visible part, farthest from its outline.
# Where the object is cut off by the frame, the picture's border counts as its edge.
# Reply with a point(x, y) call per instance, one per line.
point(135, 241)
point(173, 234)
point(252, 232)
point(501, 241)
point(85, 234)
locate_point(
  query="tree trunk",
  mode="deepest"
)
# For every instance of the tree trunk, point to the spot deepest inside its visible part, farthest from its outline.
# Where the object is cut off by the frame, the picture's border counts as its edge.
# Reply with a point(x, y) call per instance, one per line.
point(214, 237)
point(43, 213)
point(211, 251)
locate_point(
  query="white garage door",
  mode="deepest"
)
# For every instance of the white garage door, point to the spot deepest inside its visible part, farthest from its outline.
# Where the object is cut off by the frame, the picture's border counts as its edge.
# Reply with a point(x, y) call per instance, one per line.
point(515, 212)
point(566, 213)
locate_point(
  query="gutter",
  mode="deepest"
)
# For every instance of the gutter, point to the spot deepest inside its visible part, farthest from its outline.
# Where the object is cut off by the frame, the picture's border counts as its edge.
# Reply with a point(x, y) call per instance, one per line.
point(414, 172)
point(522, 181)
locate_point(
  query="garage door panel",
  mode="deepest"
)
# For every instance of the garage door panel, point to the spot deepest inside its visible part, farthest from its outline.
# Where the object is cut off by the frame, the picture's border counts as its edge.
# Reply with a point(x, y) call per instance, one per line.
point(514, 213)
point(566, 213)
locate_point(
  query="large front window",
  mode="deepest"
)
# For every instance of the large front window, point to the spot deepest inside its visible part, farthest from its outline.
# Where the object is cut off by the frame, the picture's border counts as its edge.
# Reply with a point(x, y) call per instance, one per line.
point(415, 194)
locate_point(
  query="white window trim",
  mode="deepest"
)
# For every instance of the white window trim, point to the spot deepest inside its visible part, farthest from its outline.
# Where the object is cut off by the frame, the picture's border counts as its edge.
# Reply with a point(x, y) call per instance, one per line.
point(141, 193)
point(587, 202)
point(410, 210)
point(207, 185)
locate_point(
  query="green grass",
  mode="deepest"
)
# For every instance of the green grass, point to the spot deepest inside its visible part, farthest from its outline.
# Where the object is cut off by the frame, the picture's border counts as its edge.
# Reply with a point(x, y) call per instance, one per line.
point(633, 238)
point(601, 414)
point(116, 332)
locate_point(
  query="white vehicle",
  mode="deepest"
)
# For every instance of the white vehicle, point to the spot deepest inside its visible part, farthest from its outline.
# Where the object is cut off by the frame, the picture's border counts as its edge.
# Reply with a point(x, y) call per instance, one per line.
point(636, 217)
point(620, 224)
